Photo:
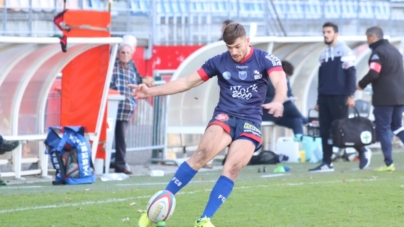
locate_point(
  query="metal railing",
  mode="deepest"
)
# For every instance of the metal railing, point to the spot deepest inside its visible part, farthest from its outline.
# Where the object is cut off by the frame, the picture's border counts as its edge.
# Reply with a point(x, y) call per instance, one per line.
point(146, 130)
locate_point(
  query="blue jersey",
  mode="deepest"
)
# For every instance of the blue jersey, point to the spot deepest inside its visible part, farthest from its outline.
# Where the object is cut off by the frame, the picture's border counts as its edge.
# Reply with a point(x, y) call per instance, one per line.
point(243, 85)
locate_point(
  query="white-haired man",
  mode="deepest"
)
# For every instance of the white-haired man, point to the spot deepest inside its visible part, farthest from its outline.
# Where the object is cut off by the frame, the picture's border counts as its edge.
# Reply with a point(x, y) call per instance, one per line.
point(124, 73)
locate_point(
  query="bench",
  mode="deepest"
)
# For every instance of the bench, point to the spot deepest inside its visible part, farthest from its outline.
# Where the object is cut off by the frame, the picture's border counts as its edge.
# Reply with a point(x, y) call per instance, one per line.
point(18, 160)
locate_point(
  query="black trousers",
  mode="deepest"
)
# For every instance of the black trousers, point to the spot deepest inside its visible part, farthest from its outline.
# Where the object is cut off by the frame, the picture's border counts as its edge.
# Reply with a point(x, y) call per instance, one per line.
point(121, 129)
point(331, 108)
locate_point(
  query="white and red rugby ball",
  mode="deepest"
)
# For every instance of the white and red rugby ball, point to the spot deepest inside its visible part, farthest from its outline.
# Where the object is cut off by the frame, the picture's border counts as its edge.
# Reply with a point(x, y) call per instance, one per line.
point(161, 206)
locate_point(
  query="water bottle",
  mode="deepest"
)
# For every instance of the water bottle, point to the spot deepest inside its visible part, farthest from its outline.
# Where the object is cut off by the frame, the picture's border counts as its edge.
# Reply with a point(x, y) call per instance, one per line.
point(114, 177)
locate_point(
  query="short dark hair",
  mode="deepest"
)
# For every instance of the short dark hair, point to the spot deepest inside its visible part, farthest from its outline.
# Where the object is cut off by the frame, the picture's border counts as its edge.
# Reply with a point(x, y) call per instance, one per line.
point(227, 22)
point(232, 32)
point(331, 24)
point(288, 68)
point(375, 30)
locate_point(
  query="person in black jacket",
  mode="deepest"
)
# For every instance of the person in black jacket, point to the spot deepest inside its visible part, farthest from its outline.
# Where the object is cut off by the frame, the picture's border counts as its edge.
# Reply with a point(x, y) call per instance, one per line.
point(386, 74)
point(336, 89)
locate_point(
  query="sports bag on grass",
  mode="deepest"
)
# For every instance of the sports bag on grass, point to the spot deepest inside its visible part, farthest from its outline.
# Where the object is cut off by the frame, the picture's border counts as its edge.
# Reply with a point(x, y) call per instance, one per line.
point(70, 156)
point(264, 157)
point(352, 132)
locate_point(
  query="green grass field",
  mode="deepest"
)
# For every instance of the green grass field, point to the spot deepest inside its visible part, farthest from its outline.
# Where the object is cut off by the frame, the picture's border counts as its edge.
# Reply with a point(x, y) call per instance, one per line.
point(346, 197)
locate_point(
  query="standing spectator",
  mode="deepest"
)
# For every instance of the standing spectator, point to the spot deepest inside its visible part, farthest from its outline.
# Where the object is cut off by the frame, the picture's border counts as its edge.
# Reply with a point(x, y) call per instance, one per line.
point(124, 73)
point(224, 25)
point(336, 89)
point(291, 118)
point(386, 75)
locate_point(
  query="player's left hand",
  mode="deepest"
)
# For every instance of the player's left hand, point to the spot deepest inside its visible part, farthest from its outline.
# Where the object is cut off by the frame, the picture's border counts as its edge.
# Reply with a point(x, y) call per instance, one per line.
point(140, 91)
point(148, 80)
point(274, 108)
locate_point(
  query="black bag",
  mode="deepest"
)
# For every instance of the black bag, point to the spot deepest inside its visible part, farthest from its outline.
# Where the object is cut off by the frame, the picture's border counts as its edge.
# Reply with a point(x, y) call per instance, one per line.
point(263, 157)
point(352, 132)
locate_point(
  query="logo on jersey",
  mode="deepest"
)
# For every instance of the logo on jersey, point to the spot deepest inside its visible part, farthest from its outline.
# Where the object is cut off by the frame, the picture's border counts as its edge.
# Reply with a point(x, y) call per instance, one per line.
point(226, 75)
point(242, 75)
point(242, 66)
point(257, 75)
point(243, 92)
point(274, 60)
point(222, 117)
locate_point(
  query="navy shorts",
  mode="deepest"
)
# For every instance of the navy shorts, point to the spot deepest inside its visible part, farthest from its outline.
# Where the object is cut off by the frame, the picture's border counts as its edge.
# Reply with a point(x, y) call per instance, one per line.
point(239, 128)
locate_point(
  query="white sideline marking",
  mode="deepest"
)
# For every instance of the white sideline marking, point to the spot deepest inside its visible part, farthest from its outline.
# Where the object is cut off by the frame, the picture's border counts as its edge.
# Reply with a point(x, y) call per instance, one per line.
point(162, 183)
point(274, 175)
point(70, 205)
point(20, 187)
point(186, 193)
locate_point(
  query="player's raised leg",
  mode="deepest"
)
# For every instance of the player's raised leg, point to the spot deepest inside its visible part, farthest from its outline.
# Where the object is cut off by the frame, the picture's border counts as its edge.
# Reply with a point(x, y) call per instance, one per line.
point(239, 155)
point(214, 140)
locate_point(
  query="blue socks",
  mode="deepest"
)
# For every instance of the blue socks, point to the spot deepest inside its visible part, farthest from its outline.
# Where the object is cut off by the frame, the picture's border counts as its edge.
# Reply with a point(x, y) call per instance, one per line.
point(181, 178)
point(218, 196)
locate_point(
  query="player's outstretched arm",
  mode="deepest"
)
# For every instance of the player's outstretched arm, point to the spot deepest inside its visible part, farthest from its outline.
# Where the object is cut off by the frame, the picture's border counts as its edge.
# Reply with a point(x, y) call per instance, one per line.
point(275, 107)
point(173, 87)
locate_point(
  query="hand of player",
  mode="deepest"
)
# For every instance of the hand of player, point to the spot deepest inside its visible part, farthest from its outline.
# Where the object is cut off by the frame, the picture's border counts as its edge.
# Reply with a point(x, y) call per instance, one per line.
point(358, 88)
point(149, 81)
point(350, 102)
point(275, 108)
point(316, 108)
point(140, 91)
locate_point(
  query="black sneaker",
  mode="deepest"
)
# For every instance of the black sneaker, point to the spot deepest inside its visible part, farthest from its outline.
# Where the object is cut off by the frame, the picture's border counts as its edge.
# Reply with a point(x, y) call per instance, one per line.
point(364, 158)
point(323, 167)
point(7, 146)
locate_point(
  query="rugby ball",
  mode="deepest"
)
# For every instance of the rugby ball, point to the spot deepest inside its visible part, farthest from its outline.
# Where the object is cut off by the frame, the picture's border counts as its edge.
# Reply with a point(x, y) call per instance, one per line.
point(161, 206)
point(349, 154)
point(72, 170)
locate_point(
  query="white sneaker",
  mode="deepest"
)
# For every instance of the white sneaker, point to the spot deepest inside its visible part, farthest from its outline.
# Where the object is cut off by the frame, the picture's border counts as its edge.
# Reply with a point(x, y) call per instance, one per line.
point(364, 158)
point(323, 167)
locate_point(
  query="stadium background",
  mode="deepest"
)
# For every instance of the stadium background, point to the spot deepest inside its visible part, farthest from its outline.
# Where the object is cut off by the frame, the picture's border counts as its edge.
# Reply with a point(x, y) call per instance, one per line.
point(188, 24)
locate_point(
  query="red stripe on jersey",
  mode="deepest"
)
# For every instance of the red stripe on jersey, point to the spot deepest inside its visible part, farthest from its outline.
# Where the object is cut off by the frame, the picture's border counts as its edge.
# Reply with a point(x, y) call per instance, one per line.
point(225, 127)
point(376, 66)
point(204, 76)
point(252, 136)
point(276, 68)
point(248, 56)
